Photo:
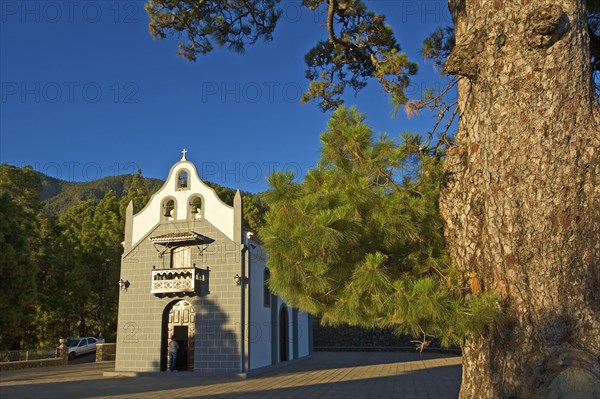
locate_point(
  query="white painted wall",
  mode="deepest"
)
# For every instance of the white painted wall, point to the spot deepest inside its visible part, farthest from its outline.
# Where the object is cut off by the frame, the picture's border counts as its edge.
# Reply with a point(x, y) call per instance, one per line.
point(216, 212)
point(303, 334)
point(259, 328)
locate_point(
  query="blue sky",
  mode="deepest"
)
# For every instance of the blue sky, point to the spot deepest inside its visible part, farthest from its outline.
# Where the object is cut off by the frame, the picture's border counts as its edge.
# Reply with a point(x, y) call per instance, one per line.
point(87, 93)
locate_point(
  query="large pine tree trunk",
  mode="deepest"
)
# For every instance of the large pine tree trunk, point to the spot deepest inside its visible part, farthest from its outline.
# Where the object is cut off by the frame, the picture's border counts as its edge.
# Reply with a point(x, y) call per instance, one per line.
point(522, 201)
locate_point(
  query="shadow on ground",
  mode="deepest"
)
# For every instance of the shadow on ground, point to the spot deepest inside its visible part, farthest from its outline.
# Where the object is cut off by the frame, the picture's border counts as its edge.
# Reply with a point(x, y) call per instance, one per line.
point(325, 375)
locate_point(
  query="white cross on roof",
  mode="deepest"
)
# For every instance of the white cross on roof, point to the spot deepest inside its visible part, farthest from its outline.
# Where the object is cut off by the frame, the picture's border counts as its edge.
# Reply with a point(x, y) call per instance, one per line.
point(183, 157)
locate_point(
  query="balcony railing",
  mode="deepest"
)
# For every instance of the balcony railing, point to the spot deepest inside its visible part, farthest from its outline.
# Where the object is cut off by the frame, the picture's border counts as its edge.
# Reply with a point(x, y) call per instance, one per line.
point(176, 281)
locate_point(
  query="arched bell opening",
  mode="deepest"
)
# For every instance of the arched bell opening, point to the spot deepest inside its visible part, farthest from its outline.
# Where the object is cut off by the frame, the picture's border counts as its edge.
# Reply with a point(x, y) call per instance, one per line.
point(183, 181)
point(168, 209)
point(195, 208)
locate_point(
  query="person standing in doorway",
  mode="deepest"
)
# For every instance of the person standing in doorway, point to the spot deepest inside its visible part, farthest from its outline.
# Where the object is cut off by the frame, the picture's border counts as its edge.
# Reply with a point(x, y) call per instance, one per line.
point(173, 348)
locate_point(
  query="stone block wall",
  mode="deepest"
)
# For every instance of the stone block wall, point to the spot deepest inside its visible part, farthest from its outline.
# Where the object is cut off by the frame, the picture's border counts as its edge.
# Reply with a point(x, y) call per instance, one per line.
point(351, 336)
point(346, 337)
point(29, 364)
point(217, 310)
point(105, 352)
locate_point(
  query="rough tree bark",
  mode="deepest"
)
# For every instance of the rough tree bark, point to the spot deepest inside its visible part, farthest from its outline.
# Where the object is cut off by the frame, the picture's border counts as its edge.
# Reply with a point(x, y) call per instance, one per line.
point(522, 198)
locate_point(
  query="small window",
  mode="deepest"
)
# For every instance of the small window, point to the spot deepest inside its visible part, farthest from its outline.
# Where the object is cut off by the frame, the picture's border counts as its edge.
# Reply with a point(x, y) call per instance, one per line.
point(182, 180)
point(266, 291)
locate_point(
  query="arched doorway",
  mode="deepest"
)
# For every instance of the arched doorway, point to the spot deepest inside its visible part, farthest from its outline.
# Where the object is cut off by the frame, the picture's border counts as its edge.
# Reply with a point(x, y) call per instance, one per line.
point(179, 320)
point(283, 334)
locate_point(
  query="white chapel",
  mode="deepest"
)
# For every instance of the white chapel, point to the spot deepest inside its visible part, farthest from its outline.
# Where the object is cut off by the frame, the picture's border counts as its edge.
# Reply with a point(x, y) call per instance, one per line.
point(190, 271)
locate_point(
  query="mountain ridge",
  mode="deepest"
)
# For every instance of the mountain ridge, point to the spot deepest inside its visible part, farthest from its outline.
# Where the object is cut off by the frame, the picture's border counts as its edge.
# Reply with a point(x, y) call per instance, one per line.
point(58, 195)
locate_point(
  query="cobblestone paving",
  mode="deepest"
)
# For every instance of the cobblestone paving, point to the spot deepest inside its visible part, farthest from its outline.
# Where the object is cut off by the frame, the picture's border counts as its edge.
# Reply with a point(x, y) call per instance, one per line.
point(335, 375)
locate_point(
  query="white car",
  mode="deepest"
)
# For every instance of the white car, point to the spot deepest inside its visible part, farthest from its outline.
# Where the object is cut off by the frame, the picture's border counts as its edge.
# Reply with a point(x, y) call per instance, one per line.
point(82, 345)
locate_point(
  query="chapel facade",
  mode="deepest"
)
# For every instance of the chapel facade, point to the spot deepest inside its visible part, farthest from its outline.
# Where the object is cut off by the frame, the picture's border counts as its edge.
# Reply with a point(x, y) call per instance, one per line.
point(190, 271)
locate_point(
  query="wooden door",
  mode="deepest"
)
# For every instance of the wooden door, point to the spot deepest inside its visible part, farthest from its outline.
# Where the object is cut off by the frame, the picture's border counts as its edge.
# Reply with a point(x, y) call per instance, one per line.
point(182, 315)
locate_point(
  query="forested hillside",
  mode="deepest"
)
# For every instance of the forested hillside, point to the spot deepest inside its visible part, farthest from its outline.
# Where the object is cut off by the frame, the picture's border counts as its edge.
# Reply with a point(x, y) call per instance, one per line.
point(58, 195)
point(60, 252)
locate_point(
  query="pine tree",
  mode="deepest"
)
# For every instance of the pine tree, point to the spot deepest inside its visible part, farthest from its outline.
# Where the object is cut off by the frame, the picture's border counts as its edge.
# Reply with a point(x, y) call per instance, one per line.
point(253, 212)
point(137, 192)
point(94, 230)
point(360, 240)
point(107, 250)
point(17, 271)
point(54, 256)
point(359, 44)
point(522, 201)
point(76, 222)
point(19, 201)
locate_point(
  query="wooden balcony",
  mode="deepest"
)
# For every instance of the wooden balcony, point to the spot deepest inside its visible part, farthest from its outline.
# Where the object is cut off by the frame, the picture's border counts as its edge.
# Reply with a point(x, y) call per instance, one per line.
point(177, 281)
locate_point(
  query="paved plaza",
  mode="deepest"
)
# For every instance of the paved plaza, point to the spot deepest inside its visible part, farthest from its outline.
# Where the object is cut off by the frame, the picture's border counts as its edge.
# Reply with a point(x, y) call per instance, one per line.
point(343, 375)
